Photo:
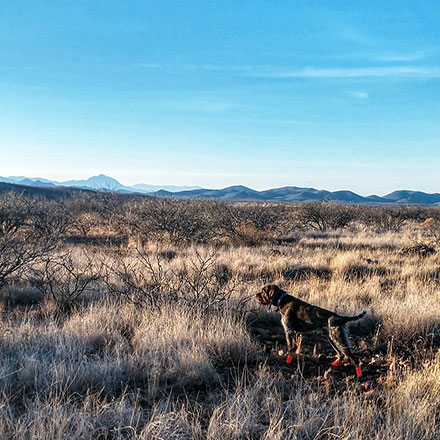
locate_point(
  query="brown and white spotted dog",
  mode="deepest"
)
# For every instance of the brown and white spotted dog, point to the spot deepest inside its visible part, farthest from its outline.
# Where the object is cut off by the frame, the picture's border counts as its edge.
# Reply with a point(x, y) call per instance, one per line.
point(300, 316)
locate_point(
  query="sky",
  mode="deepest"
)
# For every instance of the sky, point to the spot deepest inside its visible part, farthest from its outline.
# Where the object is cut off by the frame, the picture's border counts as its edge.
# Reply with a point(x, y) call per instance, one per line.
point(264, 93)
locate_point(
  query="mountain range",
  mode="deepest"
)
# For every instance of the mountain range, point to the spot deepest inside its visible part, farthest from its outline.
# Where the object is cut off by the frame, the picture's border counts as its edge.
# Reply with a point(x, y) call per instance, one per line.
point(237, 193)
point(98, 183)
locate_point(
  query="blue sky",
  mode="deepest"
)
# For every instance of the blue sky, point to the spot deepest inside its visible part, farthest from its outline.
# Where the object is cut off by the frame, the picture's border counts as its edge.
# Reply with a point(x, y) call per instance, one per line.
point(265, 93)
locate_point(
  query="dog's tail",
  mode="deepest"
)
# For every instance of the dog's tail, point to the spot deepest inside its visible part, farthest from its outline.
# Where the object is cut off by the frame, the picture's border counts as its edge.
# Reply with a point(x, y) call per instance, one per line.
point(346, 319)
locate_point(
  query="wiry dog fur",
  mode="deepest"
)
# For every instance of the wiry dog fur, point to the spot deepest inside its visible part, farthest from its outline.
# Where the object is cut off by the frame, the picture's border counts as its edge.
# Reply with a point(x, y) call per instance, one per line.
point(299, 316)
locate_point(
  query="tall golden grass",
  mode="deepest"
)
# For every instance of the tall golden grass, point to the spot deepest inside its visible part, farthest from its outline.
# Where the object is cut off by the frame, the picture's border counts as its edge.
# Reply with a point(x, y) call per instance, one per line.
point(109, 368)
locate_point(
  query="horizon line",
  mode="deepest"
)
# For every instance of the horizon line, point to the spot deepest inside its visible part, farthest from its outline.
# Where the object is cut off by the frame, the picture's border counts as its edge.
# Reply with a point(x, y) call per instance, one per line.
point(199, 187)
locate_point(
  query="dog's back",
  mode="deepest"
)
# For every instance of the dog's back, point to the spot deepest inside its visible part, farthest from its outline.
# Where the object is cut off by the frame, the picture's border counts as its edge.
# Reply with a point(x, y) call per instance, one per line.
point(302, 316)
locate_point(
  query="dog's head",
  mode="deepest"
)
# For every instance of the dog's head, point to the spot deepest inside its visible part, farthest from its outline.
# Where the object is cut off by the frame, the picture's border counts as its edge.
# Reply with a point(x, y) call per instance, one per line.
point(264, 297)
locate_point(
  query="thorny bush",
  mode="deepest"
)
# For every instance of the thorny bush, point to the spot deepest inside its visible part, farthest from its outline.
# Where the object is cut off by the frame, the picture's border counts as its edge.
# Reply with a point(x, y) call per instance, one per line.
point(64, 278)
point(146, 278)
point(25, 235)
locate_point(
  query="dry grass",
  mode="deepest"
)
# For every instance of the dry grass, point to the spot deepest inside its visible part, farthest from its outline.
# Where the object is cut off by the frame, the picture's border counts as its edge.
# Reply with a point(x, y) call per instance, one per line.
point(109, 368)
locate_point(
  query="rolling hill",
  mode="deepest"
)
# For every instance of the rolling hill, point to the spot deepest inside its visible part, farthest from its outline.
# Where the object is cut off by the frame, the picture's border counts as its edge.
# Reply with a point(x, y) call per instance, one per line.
point(298, 194)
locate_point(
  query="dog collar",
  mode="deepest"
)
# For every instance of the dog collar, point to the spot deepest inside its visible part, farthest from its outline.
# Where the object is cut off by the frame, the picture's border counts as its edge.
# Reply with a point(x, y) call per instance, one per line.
point(278, 302)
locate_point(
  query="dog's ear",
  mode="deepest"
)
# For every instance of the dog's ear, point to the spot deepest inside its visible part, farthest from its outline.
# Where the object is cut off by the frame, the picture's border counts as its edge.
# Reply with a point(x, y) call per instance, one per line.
point(266, 294)
point(262, 296)
point(271, 290)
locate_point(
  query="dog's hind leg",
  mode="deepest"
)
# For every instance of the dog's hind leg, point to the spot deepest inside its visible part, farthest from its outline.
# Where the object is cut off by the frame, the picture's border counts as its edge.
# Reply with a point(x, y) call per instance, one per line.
point(339, 354)
point(290, 339)
point(298, 342)
point(339, 339)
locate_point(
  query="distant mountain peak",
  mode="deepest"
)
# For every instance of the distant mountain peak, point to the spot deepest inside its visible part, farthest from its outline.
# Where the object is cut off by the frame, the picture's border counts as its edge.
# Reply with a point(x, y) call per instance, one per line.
point(102, 178)
point(240, 188)
point(100, 182)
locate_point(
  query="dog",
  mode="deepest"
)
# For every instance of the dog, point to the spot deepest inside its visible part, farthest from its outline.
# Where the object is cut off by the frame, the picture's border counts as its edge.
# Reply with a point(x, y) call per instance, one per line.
point(300, 316)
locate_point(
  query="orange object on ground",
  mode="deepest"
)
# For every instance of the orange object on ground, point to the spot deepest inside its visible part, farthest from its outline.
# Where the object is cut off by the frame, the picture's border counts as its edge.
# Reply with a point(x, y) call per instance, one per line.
point(336, 362)
point(289, 359)
point(358, 372)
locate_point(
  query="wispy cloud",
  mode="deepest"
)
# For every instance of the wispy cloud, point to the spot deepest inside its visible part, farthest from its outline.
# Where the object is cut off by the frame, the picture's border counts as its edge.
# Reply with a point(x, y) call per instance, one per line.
point(352, 72)
point(378, 55)
point(267, 71)
point(358, 94)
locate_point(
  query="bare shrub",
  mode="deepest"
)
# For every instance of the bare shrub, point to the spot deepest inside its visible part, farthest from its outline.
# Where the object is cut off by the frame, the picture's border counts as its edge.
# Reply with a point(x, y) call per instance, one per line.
point(63, 278)
point(51, 218)
point(324, 215)
point(145, 277)
point(389, 218)
point(246, 223)
point(140, 277)
point(22, 241)
point(206, 285)
point(93, 211)
point(166, 220)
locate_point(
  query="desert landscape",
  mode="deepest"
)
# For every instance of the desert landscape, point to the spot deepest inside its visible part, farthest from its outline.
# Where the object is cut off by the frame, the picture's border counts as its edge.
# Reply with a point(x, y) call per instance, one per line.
point(126, 317)
point(219, 220)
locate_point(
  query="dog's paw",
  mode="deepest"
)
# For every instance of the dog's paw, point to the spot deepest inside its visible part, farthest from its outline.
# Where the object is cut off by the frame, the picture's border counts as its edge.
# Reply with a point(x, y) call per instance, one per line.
point(336, 363)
